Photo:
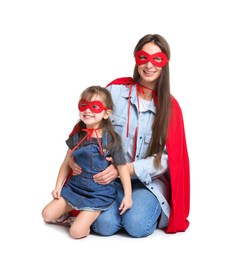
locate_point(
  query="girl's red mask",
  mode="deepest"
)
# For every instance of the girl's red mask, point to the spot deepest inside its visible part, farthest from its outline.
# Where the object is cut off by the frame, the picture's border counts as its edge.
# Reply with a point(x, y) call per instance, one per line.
point(95, 106)
point(158, 59)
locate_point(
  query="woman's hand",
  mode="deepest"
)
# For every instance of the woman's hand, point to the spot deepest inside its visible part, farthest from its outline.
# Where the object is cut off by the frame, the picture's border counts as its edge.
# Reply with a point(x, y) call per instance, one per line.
point(74, 166)
point(108, 175)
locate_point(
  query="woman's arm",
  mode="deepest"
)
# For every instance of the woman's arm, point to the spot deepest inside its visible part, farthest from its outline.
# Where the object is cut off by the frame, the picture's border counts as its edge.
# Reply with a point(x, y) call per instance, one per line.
point(111, 173)
point(145, 170)
point(74, 166)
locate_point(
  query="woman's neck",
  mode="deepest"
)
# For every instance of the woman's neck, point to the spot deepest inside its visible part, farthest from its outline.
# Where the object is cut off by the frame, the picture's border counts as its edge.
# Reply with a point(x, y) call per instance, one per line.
point(148, 89)
point(147, 95)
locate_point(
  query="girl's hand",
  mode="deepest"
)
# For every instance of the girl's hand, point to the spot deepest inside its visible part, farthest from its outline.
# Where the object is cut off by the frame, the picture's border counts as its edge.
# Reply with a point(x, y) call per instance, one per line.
point(125, 204)
point(56, 193)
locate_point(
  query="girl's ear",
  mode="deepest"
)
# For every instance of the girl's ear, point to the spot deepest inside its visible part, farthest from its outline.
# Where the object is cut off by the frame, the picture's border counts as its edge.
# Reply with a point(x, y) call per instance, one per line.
point(107, 114)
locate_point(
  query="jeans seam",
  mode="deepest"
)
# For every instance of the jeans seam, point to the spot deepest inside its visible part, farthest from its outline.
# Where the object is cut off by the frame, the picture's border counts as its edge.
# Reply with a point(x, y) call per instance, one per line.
point(148, 230)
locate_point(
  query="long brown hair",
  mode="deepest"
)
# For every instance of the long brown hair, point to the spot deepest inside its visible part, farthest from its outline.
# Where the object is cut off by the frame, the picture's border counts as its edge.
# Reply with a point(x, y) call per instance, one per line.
point(104, 93)
point(161, 121)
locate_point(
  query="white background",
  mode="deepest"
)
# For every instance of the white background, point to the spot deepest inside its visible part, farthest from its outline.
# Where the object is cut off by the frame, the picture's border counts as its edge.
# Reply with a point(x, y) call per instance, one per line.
point(50, 51)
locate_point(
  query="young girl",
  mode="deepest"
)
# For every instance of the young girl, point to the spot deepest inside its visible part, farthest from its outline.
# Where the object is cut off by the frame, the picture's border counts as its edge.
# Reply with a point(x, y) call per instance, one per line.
point(95, 140)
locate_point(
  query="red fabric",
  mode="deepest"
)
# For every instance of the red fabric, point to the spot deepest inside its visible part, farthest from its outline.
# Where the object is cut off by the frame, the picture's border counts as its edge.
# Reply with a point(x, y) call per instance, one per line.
point(75, 130)
point(178, 164)
point(179, 171)
point(158, 59)
point(123, 81)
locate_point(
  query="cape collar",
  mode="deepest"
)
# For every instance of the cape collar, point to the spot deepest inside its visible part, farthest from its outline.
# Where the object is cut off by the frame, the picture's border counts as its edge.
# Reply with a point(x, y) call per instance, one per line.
point(89, 135)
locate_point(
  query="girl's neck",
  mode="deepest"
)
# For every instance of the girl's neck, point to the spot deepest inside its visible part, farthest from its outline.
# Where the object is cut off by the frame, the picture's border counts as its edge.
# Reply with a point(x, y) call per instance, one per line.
point(96, 131)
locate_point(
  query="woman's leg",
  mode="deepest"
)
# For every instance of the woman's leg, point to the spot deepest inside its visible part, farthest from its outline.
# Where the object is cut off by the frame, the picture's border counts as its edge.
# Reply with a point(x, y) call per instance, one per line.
point(109, 221)
point(141, 219)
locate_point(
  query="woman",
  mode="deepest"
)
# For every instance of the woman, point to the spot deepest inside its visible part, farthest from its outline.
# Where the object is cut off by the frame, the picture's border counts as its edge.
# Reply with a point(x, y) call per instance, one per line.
point(150, 123)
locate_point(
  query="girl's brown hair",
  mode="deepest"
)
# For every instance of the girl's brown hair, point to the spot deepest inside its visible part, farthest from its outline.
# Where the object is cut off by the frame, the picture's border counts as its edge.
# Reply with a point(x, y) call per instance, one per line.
point(161, 121)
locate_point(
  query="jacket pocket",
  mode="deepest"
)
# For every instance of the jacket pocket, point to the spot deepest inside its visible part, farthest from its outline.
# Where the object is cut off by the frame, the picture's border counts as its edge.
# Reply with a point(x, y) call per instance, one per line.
point(145, 145)
point(118, 123)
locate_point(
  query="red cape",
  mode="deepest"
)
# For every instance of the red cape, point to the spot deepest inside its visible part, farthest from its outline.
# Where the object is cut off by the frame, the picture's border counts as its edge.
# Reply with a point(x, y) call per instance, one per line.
point(178, 164)
point(179, 171)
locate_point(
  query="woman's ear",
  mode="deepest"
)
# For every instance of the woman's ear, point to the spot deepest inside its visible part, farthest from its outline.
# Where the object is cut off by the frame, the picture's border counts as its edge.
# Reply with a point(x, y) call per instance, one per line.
point(107, 114)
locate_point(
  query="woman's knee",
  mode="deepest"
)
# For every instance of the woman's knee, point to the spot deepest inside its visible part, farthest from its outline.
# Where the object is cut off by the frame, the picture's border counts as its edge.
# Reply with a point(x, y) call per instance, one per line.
point(141, 225)
point(139, 230)
point(106, 225)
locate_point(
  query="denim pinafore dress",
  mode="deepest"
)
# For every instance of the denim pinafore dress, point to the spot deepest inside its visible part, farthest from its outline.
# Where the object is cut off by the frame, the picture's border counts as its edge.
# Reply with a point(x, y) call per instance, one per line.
point(80, 191)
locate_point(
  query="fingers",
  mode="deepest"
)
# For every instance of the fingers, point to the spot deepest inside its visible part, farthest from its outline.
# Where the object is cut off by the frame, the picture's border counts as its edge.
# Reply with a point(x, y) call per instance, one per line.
point(55, 194)
point(123, 208)
point(76, 172)
point(106, 176)
point(125, 205)
point(103, 178)
point(74, 166)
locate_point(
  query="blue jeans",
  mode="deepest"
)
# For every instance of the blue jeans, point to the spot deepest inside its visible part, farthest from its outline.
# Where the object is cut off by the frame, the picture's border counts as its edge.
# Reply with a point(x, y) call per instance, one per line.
point(139, 221)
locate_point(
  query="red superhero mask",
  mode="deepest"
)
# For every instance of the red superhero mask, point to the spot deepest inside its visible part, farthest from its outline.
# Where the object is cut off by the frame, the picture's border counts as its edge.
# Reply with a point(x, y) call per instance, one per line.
point(95, 106)
point(158, 59)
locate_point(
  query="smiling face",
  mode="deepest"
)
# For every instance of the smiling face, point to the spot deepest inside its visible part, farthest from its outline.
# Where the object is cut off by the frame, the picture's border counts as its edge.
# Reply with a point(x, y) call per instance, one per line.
point(149, 72)
point(93, 111)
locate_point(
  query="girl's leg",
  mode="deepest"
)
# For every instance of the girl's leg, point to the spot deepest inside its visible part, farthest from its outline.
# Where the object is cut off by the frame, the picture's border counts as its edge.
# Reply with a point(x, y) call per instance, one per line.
point(55, 209)
point(81, 225)
point(141, 219)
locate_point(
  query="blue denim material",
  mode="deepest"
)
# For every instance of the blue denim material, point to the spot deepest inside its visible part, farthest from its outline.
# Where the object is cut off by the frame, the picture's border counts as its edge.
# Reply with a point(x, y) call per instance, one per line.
point(139, 221)
point(81, 192)
point(154, 179)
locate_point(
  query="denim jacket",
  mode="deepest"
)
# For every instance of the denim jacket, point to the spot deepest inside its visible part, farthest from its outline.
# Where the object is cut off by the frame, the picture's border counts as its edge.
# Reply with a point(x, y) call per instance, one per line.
point(156, 180)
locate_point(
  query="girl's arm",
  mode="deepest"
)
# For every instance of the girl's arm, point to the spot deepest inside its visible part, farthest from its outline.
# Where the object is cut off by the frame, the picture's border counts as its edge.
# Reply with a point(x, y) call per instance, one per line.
point(126, 183)
point(62, 175)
